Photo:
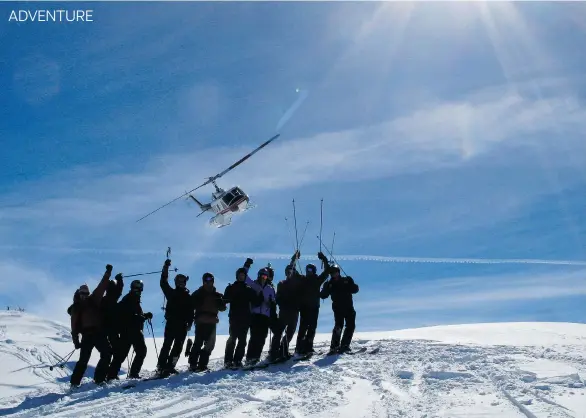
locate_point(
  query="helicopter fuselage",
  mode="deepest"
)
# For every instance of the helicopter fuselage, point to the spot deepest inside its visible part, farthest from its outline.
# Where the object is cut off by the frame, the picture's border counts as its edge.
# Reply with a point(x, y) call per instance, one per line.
point(224, 204)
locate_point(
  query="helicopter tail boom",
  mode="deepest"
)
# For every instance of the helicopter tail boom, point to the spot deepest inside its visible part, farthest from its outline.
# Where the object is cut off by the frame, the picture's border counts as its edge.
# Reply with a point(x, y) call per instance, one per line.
point(201, 205)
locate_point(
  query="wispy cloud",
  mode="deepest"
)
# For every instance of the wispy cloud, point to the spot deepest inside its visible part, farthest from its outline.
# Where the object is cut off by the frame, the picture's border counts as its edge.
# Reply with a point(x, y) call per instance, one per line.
point(447, 134)
point(471, 292)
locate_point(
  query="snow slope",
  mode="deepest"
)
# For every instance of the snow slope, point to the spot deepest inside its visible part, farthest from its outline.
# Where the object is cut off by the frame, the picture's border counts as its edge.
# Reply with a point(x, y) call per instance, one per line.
point(481, 370)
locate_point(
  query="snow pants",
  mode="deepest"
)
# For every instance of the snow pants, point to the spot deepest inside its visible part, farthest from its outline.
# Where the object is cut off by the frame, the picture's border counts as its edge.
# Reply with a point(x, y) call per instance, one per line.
point(307, 328)
point(288, 318)
point(136, 341)
point(113, 339)
point(237, 339)
point(259, 328)
point(205, 341)
point(174, 338)
point(89, 340)
point(343, 315)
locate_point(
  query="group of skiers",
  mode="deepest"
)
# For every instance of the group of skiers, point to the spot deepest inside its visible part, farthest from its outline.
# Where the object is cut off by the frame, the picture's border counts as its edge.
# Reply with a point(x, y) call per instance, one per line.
point(113, 327)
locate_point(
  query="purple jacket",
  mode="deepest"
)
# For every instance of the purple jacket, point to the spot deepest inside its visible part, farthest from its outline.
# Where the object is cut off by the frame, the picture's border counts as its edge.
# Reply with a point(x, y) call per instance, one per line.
point(269, 296)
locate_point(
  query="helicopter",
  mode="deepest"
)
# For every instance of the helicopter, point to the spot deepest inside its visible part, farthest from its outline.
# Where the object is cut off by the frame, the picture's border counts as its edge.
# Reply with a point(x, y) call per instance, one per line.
point(224, 203)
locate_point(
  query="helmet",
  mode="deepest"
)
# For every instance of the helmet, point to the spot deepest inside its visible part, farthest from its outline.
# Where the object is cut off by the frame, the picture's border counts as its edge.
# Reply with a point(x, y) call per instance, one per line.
point(310, 268)
point(263, 272)
point(290, 270)
point(136, 286)
point(181, 280)
point(271, 271)
point(335, 267)
point(81, 293)
point(207, 277)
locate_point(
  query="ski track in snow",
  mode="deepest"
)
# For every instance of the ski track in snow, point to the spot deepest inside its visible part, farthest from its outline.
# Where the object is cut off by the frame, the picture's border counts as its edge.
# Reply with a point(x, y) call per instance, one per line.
point(405, 376)
point(408, 378)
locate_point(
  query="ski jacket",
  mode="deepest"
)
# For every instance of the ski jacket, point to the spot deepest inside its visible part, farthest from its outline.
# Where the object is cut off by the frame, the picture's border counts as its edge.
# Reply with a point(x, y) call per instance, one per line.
point(241, 298)
point(341, 291)
point(109, 303)
point(267, 299)
point(289, 292)
point(179, 307)
point(130, 314)
point(310, 288)
point(86, 315)
point(207, 304)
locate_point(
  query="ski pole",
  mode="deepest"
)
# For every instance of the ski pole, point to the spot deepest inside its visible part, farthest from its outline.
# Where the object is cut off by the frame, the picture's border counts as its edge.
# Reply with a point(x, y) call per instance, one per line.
point(296, 236)
point(153, 334)
point(333, 240)
point(289, 232)
point(335, 261)
point(131, 358)
point(303, 236)
point(63, 360)
point(164, 297)
point(144, 274)
point(321, 224)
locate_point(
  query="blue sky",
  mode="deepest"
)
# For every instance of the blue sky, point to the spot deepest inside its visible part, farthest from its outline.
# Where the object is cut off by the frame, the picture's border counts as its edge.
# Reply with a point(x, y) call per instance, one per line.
point(442, 131)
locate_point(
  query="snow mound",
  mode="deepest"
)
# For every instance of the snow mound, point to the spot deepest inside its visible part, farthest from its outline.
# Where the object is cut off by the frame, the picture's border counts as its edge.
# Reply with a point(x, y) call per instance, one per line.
point(28, 346)
point(490, 370)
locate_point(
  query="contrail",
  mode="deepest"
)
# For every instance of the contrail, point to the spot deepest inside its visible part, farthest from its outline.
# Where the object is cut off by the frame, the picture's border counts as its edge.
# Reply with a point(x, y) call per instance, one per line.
point(286, 256)
point(289, 113)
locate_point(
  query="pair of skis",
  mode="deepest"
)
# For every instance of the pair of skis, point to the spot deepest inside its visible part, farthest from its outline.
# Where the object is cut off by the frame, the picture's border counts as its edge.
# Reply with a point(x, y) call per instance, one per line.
point(262, 364)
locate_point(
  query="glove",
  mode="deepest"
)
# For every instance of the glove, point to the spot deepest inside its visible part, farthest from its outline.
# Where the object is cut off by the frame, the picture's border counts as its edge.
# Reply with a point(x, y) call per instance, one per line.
point(322, 256)
point(296, 256)
point(249, 262)
point(108, 267)
point(76, 342)
point(148, 315)
point(118, 276)
point(167, 263)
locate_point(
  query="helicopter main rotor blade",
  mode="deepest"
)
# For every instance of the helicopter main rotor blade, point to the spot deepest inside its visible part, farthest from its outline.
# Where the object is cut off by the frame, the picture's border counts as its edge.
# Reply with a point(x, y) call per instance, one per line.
point(246, 157)
point(177, 198)
point(217, 176)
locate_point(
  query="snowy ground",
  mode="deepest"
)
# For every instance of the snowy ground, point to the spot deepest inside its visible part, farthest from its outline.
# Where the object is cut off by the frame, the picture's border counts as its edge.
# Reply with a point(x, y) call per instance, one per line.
point(485, 370)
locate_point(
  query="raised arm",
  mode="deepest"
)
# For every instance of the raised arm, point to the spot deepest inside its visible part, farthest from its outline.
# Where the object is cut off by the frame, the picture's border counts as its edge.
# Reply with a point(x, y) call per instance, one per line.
point(254, 285)
point(100, 289)
point(294, 258)
point(165, 287)
point(325, 291)
point(119, 286)
point(324, 274)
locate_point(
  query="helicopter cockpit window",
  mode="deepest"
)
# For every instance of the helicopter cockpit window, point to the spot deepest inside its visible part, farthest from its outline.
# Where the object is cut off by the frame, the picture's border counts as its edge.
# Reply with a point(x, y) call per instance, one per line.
point(228, 198)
